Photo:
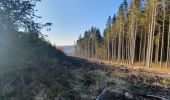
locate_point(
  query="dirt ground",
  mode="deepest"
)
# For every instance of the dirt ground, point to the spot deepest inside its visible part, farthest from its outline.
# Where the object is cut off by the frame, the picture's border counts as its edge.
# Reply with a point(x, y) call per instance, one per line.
point(81, 79)
point(122, 83)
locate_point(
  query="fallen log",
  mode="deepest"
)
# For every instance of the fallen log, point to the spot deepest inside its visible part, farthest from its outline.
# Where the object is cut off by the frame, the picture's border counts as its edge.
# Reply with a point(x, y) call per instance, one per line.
point(146, 95)
point(150, 96)
point(103, 95)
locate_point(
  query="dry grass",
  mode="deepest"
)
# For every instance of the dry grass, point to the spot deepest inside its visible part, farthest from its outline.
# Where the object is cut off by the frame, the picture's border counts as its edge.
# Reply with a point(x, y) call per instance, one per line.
point(154, 67)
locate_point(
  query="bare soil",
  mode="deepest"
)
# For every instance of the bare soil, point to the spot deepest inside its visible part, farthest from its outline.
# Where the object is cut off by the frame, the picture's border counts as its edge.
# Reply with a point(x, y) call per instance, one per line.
point(122, 82)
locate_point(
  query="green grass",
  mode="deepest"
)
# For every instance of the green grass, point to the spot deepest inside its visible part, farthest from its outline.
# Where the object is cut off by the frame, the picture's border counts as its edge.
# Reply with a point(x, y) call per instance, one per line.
point(165, 81)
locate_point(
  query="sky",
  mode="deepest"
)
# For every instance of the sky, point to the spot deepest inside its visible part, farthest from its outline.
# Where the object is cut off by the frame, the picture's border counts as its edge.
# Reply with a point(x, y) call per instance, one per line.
point(70, 18)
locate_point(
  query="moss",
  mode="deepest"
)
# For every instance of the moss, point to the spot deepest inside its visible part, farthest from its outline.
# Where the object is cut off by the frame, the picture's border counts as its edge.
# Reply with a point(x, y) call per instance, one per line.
point(165, 81)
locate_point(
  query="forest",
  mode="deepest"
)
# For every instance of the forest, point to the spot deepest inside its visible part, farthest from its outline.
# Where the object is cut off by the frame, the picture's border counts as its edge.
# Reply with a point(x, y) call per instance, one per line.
point(32, 68)
point(138, 33)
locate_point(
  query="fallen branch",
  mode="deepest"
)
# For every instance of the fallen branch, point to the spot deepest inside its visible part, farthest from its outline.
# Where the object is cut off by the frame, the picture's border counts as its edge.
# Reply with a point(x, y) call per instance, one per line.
point(103, 95)
point(146, 95)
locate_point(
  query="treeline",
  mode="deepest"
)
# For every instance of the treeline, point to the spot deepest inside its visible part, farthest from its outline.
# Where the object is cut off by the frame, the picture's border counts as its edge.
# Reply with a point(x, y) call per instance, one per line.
point(140, 32)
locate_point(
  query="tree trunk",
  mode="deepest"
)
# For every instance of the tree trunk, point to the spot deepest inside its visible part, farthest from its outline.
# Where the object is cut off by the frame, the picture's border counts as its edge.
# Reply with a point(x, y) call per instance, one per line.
point(89, 49)
point(144, 50)
point(163, 32)
point(115, 49)
point(119, 44)
point(140, 50)
point(154, 24)
point(108, 50)
point(157, 48)
point(129, 52)
point(123, 45)
point(168, 48)
point(134, 42)
point(151, 35)
point(112, 49)
point(132, 37)
point(126, 50)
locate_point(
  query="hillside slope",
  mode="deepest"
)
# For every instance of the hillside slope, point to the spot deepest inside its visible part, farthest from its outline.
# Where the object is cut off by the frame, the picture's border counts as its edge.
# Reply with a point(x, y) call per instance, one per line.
point(73, 78)
point(22, 58)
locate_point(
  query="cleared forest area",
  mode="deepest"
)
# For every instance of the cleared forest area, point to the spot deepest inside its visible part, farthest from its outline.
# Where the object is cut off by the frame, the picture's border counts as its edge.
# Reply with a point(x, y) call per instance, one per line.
point(140, 84)
point(31, 68)
point(136, 41)
point(81, 79)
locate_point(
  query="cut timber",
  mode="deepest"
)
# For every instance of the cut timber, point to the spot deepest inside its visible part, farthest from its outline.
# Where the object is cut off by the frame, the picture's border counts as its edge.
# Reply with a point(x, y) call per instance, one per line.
point(149, 96)
point(103, 95)
point(143, 94)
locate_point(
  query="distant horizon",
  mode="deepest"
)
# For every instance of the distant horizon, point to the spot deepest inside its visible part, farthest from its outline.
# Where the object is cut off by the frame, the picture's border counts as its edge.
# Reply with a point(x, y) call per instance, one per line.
point(64, 45)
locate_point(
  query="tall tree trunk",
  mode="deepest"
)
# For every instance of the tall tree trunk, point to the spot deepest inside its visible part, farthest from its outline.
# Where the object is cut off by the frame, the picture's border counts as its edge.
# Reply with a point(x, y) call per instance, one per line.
point(132, 37)
point(163, 32)
point(88, 48)
point(127, 51)
point(112, 49)
point(144, 50)
point(119, 44)
point(108, 50)
point(153, 31)
point(168, 48)
point(115, 49)
point(123, 44)
point(151, 35)
point(105, 49)
point(140, 49)
point(134, 42)
point(96, 46)
point(157, 48)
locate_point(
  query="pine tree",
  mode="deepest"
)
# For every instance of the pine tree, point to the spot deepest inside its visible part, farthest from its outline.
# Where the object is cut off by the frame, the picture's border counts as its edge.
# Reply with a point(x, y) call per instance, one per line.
point(108, 36)
point(138, 33)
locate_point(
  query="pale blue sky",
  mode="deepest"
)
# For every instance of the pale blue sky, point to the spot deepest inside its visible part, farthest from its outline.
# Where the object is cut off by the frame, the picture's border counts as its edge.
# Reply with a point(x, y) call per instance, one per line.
point(71, 18)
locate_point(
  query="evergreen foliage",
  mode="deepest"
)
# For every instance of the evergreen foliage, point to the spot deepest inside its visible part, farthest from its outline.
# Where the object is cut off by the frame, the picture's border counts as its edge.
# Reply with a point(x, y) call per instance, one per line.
point(138, 33)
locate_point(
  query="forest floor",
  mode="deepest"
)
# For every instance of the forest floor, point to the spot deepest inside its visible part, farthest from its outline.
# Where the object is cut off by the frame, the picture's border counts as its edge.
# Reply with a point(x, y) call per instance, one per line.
point(154, 67)
point(121, 82)
point(75, 78)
